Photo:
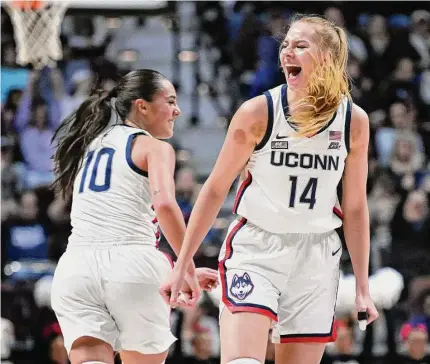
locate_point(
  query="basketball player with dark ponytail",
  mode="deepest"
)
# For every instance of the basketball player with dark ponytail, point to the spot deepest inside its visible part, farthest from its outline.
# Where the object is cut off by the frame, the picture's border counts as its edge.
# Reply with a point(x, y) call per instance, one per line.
point(111, 161)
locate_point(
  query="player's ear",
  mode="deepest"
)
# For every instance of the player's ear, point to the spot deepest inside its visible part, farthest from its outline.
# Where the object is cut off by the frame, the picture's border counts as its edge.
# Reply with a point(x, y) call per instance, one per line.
point(141, 106)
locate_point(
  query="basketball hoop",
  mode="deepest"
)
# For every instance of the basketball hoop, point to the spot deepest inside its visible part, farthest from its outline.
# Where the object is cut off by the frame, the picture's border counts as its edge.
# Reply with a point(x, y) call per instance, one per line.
point(37, 27)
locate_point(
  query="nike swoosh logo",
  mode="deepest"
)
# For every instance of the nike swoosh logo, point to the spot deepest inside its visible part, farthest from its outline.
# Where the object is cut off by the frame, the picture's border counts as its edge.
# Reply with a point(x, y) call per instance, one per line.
point(334, 253)
point(281, 136)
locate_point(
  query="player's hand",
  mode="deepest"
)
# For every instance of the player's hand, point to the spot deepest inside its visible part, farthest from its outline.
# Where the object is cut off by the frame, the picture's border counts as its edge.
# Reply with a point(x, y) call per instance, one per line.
point(364, 303)
point(207, 278)
point(180, 289)
point(190, 290)
point(170, 289)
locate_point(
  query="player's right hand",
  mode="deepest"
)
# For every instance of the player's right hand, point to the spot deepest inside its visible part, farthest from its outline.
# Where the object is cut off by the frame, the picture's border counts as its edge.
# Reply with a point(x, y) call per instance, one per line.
point(180, 289)
point(190, 290)
point(170, 289)
point(364, 303)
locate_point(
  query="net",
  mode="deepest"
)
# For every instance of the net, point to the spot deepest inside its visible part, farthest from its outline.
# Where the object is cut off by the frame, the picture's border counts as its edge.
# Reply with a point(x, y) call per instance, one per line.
point(37, 31)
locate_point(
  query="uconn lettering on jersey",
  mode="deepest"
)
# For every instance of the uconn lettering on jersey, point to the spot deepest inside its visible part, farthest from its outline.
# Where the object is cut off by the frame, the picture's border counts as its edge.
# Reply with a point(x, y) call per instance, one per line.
point(305, 160)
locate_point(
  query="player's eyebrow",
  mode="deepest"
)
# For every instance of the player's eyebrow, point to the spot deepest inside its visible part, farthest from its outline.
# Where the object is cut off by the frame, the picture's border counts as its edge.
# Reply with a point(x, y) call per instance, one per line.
point(171, 97)
point(286, 41)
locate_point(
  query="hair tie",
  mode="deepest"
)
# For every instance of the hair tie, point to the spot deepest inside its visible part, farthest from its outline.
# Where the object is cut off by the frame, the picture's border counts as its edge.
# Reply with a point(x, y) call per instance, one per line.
point(113, 92)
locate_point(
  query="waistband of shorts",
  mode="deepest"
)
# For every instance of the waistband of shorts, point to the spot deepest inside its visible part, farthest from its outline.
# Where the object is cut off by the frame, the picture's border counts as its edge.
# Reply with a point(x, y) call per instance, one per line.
point(322, 235)
point(296, 235)
point(111, 243)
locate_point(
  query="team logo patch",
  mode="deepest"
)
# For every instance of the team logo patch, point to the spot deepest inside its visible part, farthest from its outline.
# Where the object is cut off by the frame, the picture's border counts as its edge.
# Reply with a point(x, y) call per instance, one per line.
point(280, 144)
point(241, 286)
point(334, 145)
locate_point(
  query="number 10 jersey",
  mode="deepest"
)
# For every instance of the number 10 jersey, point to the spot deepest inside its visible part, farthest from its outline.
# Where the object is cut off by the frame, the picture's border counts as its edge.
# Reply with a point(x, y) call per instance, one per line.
point(111, 195)
point(290, 183)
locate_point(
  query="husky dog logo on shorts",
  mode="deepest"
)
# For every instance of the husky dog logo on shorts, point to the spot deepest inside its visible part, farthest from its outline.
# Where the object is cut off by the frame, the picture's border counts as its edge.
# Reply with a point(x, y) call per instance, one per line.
point(241, 286)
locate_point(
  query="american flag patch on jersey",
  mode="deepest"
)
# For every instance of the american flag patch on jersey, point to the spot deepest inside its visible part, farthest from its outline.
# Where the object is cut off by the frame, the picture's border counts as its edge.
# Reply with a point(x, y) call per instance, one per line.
point(334, 135)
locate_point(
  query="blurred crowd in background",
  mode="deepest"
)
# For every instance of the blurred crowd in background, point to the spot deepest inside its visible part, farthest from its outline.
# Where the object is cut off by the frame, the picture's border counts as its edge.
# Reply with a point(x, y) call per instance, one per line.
point(390, 69)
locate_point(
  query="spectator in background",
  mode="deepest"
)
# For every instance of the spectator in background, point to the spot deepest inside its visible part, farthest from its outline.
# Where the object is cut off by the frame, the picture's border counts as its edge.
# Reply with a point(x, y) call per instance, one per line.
point(59, 218)
point(377, 41)
point(35, 121)
point(383, 49)
point(402, 84)
point(12, 100)
point(406, 158)
point(8, 56)
point(342, 350)
point(202, 344)
point(422, 315)
point(36, 148)
point(268, 73)
point(33, 92)
point(245, 45)
point(12, 76)
point(200, 335)
point(410, 232)
point(411, 221)
point(382, 201)
point(400, 119)
point(25, 235)
point(10, 181)
point(80, 84)
point(419, 37)
point(8, 113)
point(363, 88)
point(356, 46)
point(424, 93)
point(213, 24)
point(415, 338)
point(7, 121)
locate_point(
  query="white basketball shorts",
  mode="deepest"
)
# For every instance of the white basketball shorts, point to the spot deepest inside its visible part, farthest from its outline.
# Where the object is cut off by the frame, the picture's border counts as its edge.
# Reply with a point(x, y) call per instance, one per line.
point(290, 278)
point(111, 293)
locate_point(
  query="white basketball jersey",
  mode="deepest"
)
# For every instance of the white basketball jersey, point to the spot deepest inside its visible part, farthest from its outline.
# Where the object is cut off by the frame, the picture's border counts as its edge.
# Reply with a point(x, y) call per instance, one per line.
point(111, 195)
point(291, 182)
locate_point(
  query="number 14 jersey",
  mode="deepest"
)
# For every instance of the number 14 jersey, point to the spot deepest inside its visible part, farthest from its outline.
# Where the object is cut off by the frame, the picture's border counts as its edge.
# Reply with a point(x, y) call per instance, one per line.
point(290, 183)
point(111, 195)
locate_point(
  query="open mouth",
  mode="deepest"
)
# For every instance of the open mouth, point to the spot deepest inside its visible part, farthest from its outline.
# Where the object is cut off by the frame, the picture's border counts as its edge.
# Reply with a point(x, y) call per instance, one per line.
point(293, 71)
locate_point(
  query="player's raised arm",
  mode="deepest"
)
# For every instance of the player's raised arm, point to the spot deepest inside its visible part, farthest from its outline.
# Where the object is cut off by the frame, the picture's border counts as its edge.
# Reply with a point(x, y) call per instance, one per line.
point(246, 130)
point(355, 210)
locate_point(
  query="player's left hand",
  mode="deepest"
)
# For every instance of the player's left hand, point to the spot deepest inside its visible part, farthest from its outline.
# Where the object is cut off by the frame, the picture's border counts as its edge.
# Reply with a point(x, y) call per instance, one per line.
point(208, 278)
point(363, 302)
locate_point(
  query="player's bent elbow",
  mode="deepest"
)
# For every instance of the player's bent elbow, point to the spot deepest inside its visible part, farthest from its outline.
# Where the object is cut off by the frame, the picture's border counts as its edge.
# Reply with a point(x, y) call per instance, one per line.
point(164, 205)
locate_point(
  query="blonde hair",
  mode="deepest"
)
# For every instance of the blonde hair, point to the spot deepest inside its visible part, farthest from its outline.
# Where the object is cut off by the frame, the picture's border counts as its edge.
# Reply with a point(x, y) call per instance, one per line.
point(328, 83)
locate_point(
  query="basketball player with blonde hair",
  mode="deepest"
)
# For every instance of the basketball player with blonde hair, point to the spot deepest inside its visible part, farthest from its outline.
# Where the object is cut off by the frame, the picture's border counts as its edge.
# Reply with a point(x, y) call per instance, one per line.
point(292, 147)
